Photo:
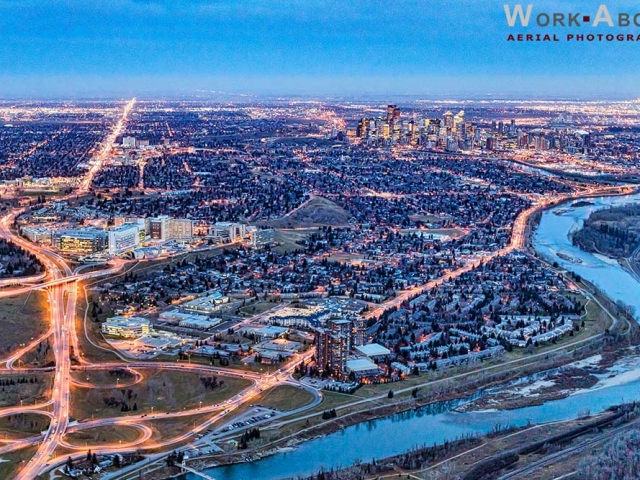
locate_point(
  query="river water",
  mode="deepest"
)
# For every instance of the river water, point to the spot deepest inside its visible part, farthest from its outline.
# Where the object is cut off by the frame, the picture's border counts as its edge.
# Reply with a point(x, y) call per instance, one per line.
point(438, 423)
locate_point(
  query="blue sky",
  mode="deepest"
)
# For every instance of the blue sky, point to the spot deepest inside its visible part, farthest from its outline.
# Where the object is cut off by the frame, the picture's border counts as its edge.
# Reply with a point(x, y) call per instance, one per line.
point(314, 47)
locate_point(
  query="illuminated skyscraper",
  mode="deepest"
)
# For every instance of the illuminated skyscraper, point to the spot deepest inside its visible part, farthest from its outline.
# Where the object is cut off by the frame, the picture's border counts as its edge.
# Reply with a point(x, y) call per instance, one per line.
point(448, 119)
point(396, 115)
point(390, 112)
point(363, 128)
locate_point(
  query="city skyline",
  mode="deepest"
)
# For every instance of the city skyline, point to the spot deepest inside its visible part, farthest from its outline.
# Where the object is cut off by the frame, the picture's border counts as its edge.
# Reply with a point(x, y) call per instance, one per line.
point(126, 48)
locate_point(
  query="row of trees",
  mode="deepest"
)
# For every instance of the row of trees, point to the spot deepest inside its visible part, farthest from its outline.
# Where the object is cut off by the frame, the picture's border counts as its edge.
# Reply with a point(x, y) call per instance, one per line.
point(11, 381)
point(248, 436)
point(329, 414)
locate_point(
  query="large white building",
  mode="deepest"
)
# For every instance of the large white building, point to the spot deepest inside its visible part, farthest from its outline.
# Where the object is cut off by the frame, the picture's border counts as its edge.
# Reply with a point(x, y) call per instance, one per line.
point(206, 304)
point(260, 237)
point(41, 235)
point(180, 229)
point(228, 231)
point(129, 142)
point(124, 238)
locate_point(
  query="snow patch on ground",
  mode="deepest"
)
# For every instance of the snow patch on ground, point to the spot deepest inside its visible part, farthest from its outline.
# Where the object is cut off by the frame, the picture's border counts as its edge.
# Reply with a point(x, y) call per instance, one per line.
point(593, 361)
point(531, 389)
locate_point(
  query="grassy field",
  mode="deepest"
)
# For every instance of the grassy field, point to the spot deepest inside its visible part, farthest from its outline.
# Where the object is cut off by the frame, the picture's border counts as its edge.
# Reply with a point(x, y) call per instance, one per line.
point(103, 435)
point(159, 392)
point(39, 356)
point(173, 427)
point(258, 307)
point(29, 393)
point(89, 351)
point(285, 398)
point(286, 239)
point(22, 425)
point(429, 218)
point(22, 318)
point(103, 378)
point(318, 211)
point(12, 462)
point(355, 258)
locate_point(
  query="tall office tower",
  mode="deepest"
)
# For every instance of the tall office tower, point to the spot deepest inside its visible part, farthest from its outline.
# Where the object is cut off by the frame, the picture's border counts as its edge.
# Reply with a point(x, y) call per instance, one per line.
point(459, 117)
point(513, 125)
point(448, 119)
point(413, 128)
point(493, 126)
point(461, 130)
point(390, 111)
point(541, 143)
point(434, 125)
point(523, 139)
point(396, 115)
point(500, 127)
point(363, 128)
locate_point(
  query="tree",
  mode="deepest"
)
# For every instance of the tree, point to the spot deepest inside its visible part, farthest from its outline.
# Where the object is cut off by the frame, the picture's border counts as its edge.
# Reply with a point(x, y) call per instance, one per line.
point(390, 394)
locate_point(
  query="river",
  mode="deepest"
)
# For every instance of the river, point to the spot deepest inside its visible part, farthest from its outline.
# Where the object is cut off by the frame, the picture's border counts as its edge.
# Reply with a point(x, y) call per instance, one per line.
point(438, 423)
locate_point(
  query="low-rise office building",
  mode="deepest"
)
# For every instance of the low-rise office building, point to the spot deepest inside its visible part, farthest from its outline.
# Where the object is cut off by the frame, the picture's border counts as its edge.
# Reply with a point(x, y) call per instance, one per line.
point(126, 327)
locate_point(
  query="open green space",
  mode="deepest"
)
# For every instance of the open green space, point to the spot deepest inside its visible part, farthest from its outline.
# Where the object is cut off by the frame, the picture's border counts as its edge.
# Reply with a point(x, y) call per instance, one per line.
point(158, 393)
point(285, 398)
point(113, 378)
point(316, 212)
point(165, 428)
point(107, 435)
point(258, 307)
point(11, 463)
point(286, 240)
point(22, 318)
point(21, 425)
point(28, 388)
point(39, 356)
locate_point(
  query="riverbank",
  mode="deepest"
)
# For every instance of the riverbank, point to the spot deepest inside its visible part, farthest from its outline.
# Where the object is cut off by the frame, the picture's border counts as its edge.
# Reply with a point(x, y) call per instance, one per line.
point(613, 232)
point(575, 377)
point(443, 400)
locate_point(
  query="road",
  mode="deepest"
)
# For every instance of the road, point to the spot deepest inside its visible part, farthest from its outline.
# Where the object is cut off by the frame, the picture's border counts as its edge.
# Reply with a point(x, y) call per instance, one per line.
point(62, 291)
